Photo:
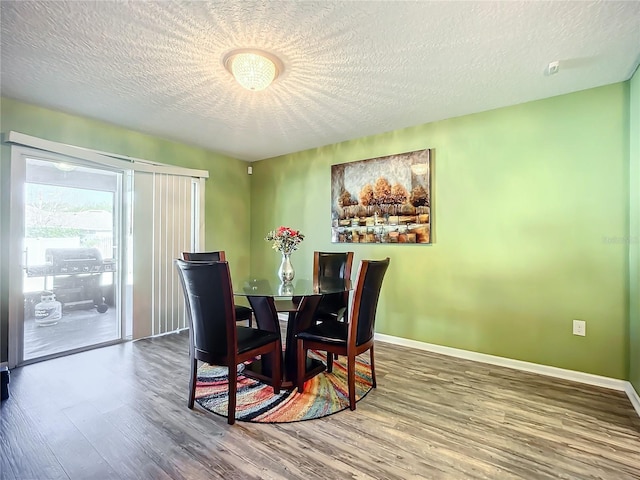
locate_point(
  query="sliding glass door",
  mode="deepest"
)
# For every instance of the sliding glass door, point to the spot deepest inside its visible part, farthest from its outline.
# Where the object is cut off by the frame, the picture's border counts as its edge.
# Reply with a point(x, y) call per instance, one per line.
point(92, 240)
point(71, 265)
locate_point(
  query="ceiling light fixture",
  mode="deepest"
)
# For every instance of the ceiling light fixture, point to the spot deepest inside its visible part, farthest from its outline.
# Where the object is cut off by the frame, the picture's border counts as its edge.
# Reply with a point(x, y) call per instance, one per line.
point(253, 69)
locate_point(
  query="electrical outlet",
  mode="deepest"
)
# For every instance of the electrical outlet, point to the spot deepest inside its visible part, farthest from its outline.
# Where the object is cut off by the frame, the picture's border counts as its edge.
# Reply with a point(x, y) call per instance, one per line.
point(580, 328)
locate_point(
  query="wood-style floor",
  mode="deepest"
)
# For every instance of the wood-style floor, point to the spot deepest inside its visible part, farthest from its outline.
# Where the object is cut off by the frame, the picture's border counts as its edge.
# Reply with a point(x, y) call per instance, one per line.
point(120, 412)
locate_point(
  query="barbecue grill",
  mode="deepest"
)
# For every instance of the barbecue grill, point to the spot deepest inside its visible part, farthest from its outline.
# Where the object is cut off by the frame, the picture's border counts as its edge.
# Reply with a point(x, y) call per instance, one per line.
point(76, 276)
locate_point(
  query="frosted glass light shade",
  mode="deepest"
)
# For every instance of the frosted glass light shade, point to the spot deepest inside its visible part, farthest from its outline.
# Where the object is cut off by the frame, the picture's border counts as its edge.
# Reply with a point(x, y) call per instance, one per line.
point(252, 69)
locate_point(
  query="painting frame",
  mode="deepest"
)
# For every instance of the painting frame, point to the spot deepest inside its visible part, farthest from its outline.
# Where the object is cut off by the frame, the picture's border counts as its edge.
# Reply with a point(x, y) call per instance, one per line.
point(383, 199)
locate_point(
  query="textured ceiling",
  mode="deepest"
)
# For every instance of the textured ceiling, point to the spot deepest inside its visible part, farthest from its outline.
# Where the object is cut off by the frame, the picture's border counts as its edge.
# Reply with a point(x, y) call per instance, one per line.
point(351, 68)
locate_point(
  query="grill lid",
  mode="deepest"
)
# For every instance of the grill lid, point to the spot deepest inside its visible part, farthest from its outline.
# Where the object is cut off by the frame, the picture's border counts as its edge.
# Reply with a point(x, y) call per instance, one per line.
point(61, 256)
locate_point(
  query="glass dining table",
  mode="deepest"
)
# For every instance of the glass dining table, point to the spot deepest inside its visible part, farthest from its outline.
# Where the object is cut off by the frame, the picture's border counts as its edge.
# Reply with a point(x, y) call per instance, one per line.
point(299, 299)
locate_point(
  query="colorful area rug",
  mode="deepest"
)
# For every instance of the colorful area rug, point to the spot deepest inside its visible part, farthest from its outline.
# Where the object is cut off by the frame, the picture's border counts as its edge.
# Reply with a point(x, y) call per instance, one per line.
point(324, 394)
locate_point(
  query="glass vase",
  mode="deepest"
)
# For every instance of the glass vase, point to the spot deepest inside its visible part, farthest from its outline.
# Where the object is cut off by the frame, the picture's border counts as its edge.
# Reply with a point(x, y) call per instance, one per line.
point(286, 271)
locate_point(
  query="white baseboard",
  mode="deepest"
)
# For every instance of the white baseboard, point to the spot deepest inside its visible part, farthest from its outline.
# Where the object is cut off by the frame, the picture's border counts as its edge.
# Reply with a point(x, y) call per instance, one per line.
point(633, 396)
point(581, 377)
point(171, 332)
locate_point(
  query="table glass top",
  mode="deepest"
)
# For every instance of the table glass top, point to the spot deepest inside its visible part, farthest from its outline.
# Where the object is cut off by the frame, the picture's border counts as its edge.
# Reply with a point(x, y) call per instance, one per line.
point(299, 287)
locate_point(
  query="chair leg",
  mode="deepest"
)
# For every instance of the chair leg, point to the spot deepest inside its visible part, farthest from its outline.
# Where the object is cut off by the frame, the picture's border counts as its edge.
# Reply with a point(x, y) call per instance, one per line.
point(233, 390)
point(351, 380)
point(250, 320)
point(373, 368)
point(193, 377)
point(276, 381)
point(302, 363)
point(329, 362)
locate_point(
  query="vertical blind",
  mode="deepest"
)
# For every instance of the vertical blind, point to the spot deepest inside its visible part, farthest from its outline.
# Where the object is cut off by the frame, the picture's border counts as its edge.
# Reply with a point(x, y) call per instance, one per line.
point(171, 236)
point(165, 225)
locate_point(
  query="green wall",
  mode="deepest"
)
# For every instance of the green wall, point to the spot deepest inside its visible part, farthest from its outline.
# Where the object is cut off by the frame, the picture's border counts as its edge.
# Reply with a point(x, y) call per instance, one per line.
point(634, 233)
point(530, 203)
point(531, 207)
point(227, 194)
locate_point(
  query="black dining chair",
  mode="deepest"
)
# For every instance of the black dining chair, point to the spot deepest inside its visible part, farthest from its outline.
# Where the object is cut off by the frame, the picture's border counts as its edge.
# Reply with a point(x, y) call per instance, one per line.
point(214, 337)
point(242, 312)
point(349, 338)
point(332, 266)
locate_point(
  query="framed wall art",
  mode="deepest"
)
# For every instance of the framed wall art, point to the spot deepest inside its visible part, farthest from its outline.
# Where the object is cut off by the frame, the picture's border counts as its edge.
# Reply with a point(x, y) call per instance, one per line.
point(382, 200)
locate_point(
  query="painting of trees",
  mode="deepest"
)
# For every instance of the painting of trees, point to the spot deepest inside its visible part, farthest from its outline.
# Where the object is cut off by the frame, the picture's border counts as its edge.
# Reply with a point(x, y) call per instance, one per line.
point(383, 200)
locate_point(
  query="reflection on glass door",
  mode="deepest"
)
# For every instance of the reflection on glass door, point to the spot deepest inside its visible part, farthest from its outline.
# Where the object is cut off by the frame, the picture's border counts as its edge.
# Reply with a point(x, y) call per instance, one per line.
point(70, 280)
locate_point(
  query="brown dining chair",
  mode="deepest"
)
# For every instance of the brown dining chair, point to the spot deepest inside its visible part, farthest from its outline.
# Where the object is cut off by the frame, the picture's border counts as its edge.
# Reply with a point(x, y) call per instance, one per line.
point(214, 337)
point(349, 338)
point(332, 265)
point(242, 312)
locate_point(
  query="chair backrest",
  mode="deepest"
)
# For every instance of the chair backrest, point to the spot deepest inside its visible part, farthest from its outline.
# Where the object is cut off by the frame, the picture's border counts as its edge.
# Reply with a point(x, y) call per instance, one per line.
point(209, 298)
point(332, 264)
point(204, 256)
point(365, 299)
